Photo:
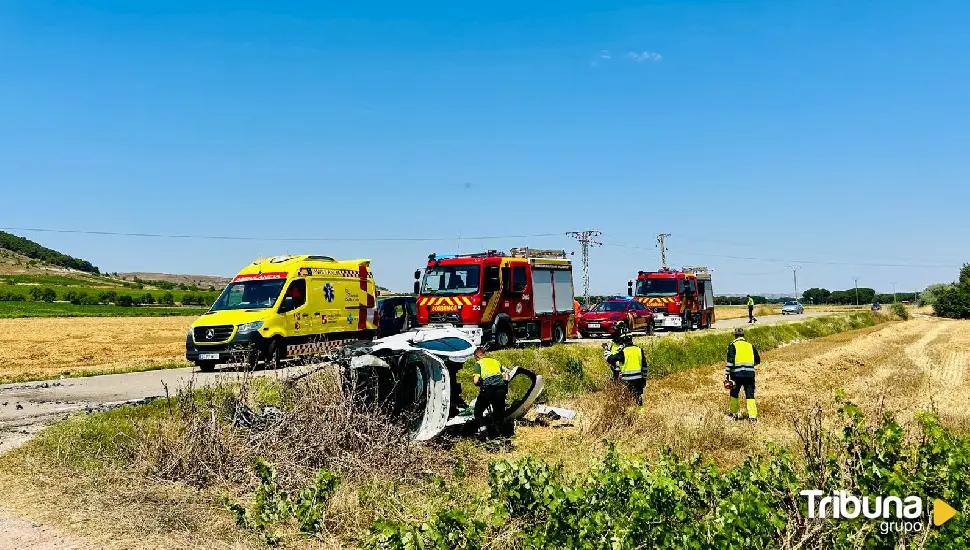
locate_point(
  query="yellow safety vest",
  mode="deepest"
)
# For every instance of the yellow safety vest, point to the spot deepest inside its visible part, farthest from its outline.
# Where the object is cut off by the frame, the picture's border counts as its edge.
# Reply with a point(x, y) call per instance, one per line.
point(489, 367)
point(750, 301)
point(743, 357)
point(632, 367)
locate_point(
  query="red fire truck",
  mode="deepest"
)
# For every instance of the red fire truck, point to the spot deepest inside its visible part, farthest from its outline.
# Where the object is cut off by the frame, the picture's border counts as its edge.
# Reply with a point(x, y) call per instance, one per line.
point(499, 298)
point(681, 299)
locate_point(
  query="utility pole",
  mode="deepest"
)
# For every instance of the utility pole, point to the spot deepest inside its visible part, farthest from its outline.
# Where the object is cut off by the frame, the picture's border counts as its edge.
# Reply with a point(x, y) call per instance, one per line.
point(661, 240)
point(894, 291)
point(794, 270)
point(585, 239)
point(856, 290)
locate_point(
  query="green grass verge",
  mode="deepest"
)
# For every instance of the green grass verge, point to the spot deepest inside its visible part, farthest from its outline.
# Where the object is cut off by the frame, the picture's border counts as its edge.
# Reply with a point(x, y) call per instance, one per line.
point(59, 280)
point(37, 377)
point(16, 310)
point(573, 369)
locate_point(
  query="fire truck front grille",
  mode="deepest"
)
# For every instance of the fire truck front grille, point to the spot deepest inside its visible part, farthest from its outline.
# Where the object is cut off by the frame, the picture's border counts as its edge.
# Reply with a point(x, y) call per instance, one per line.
point(445, 318)
point(219, 333)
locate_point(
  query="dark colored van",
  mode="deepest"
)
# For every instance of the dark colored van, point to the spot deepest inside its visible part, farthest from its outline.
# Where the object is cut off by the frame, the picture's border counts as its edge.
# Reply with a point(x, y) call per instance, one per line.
point(396, 314)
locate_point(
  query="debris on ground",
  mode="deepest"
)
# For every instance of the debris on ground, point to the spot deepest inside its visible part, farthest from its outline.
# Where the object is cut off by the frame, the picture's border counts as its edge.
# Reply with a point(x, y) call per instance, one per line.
point(555, 412)
point(106, 407)
point(243, 416)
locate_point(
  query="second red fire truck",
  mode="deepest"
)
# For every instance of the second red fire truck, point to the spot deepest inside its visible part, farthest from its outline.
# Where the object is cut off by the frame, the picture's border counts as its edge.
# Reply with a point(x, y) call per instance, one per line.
point(680, 299)
point(499, 298)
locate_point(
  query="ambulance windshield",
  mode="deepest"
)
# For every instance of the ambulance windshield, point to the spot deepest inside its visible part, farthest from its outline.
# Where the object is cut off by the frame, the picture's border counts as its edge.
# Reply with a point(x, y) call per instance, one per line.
point(249, 295)
point(451, 279)
point(664, 286)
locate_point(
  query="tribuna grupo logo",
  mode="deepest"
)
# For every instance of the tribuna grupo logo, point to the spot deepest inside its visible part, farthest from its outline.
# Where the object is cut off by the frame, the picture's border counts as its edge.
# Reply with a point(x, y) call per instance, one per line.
point(902, 514)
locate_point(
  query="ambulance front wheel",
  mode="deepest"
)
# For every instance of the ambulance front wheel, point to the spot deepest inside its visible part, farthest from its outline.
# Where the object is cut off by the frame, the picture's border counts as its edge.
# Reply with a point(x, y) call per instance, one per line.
point(274, 353)
point(205, 366)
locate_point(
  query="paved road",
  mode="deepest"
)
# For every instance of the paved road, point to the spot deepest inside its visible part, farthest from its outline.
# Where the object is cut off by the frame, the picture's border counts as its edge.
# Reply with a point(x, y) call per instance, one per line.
point(26, 408)
point(730, 324)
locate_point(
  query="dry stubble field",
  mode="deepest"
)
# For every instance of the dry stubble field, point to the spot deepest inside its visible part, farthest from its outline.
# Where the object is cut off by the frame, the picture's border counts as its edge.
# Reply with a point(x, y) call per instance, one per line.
point(48, 347)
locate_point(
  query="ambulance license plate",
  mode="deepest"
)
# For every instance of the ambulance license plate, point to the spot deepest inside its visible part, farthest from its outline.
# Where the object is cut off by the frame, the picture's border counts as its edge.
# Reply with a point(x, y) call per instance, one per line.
point(208, 356)
point(594, 325)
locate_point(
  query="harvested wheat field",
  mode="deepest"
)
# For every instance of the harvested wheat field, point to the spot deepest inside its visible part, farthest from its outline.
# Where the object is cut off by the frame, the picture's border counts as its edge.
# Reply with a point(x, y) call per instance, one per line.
point(902, 366)
point(49, 347)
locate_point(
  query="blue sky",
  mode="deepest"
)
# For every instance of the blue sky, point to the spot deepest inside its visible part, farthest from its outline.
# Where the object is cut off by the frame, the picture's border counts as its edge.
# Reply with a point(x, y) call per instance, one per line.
point(760, 134)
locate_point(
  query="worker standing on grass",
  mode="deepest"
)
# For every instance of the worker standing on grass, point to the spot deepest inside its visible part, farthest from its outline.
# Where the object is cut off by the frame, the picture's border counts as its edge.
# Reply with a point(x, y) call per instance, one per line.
point(751, 318)
point(742, 358)
point(493, 383)
point(629, 365)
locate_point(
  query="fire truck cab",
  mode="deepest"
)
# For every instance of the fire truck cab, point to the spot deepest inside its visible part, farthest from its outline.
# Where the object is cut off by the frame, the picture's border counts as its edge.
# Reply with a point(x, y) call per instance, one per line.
point(499, 298)
point(680, 300)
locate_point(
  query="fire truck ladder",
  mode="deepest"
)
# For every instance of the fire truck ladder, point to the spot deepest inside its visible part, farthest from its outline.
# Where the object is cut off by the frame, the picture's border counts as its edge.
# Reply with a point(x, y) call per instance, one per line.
point(527, 252)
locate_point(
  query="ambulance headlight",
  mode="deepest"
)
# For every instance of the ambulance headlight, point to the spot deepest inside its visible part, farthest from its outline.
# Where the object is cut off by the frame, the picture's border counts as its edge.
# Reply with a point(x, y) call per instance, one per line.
point(250, 327)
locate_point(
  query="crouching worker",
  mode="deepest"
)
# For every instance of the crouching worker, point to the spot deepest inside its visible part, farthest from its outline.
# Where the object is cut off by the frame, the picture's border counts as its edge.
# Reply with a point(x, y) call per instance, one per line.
point(742, 358)
point(629, 365)
point(619, 335)
point(493, 387)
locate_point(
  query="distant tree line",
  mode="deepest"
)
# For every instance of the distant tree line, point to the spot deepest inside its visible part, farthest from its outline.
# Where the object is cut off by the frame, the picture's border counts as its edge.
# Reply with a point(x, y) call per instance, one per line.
point(851, 296)
point(167, 285)
point(30, 249)
point(81, 297)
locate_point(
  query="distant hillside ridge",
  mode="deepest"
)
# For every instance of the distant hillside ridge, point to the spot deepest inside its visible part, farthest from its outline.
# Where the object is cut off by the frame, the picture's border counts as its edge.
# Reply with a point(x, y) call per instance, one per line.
point(34, 251)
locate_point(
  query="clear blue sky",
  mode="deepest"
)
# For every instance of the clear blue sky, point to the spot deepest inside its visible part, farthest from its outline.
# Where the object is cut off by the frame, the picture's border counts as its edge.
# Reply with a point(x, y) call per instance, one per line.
point(792, 131)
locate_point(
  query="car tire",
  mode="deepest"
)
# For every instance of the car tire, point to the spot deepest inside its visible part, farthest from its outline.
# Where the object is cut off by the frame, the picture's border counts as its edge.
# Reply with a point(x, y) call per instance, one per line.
point(558, 334)
point(205, 366)
point(584, 335)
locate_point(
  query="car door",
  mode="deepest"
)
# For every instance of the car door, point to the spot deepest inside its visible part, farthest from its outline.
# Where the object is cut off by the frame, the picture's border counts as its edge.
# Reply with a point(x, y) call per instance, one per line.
point(294, 308)
point(640, 313)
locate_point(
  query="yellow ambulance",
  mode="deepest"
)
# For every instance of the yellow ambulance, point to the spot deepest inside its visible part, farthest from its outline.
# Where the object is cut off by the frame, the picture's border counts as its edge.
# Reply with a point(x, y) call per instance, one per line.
point(287, 306)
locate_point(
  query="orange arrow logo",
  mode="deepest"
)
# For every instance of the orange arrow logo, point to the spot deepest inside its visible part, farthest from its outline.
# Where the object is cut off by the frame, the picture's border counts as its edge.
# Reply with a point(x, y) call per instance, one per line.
point(942, 512)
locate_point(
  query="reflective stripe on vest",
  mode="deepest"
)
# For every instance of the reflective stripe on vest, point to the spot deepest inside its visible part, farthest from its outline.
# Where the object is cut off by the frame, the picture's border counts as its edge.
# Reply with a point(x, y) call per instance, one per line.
point(632, 367)
point(743, 357)
point(489, 367)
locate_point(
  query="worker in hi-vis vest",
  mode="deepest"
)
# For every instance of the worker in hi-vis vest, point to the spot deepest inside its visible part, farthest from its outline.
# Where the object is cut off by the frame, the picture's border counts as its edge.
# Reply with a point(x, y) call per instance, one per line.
point(742, 358)
point(493, 387)
point(629, 365)
point(751, 317)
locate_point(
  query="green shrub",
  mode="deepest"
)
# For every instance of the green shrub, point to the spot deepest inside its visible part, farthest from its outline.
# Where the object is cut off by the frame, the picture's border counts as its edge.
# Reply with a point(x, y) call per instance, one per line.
point(124, 300)
point(48, 294)
point(273, 508)
point(676, 502)
point(899, 310)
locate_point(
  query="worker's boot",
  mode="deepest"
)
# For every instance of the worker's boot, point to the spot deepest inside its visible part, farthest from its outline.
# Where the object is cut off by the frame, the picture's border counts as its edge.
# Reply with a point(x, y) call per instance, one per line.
point(752, 410)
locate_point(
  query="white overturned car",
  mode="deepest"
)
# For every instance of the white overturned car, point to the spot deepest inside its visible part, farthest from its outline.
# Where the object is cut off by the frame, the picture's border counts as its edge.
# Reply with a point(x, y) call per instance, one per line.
point(413, 375)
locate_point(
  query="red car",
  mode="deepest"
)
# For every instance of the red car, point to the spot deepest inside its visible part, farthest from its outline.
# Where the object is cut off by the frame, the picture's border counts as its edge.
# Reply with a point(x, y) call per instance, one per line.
point(602, 318)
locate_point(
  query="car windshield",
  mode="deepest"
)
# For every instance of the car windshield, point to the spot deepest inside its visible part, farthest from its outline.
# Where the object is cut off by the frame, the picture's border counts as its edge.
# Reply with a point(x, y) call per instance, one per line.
point(791, 303)
point(609, 307)
point(451, 279)
point(249, 295)
point(663, 286)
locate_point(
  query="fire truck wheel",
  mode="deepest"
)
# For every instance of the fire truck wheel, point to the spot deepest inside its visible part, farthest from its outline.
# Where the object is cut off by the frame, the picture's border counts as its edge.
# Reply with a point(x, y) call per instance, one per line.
point(503, 336)
point(558, 334)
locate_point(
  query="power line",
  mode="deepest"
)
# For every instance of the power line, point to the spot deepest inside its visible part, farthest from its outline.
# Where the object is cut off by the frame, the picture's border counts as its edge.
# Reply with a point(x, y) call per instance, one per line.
point(788, 261)
point(281, 239)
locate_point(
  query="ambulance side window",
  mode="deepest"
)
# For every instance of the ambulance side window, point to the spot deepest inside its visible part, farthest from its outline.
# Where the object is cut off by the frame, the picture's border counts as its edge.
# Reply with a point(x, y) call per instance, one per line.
point(295, 295)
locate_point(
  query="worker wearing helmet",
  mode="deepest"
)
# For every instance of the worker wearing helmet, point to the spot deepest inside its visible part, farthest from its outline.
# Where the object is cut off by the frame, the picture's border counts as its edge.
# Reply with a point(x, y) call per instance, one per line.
point(629, 365)
point(493, 383)
point(742, 358)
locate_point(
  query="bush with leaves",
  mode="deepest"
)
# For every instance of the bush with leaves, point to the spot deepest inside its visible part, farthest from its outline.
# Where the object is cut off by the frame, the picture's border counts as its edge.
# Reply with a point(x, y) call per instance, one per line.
point(899, 310)
point(274, 510)
point(48, 294)
point(124, 300)
point(672, 502)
